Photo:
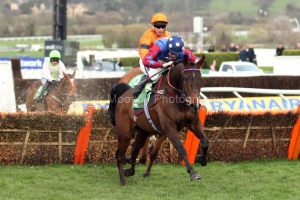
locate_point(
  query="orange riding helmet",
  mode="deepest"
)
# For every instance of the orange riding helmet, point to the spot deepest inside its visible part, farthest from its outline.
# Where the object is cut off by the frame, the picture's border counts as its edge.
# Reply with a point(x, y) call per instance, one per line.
point(159, 17)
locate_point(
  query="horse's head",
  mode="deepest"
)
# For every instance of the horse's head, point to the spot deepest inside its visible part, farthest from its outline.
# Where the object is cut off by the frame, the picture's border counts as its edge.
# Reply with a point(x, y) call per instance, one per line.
point(69, 84)
point(191, 83)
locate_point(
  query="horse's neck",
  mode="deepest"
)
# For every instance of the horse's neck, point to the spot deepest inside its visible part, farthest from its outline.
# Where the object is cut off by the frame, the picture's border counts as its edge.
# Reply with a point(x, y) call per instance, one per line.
point(60, 85)
point(175, 77)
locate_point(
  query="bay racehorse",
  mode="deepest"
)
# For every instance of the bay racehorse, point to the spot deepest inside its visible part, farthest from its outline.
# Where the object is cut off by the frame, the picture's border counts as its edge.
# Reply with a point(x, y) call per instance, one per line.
point(58, 97)
point(177, 107)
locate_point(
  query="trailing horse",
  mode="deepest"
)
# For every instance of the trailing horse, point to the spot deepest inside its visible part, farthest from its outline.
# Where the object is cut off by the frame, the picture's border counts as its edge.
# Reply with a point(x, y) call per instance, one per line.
point(176, 106)
point(58, 97)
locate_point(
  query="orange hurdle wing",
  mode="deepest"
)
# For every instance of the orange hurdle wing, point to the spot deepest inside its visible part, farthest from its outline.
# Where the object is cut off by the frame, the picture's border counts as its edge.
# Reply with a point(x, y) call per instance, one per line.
point(84, 136)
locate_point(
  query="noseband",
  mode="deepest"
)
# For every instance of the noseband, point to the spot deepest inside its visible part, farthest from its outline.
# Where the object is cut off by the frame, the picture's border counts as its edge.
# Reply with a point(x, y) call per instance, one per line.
point(182, 92)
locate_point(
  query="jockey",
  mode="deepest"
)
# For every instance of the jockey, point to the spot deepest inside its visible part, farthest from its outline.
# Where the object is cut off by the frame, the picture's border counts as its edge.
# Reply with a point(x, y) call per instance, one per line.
point(159, 22)
point(52, 71)
point(172, 48)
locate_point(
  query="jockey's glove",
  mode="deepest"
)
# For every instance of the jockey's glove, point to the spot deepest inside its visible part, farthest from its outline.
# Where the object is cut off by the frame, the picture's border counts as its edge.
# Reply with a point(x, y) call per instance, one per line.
point(167, 64)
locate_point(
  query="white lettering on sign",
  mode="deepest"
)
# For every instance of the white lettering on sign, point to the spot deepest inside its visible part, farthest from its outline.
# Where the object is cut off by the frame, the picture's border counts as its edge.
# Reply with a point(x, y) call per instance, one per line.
point(31, 63)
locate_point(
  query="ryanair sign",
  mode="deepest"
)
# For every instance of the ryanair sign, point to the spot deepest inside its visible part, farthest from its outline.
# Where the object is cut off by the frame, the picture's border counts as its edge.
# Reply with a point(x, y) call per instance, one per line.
point(226, 104)
point(254, 103)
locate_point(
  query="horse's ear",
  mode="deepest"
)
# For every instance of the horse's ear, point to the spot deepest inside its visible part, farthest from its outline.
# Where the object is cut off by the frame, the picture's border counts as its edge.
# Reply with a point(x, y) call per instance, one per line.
point(185, 60)
point(200, 63)
point(73, 75)
point(65, 75)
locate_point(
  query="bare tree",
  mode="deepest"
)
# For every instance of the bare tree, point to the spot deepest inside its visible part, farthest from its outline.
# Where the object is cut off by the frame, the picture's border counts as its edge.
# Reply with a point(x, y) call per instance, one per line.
point(221, 34)
point(263, 4)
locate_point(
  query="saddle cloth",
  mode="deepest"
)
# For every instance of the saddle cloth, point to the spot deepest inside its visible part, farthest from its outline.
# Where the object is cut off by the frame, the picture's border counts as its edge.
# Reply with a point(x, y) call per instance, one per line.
point(138, 103)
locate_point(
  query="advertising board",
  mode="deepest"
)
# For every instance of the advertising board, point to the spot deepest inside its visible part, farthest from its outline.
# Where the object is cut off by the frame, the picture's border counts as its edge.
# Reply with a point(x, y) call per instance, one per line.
point(226, 104)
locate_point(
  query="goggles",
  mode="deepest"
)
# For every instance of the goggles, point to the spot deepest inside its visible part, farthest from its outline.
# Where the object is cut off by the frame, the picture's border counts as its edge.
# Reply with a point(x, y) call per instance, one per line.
point(54, 59)
point(160, 26)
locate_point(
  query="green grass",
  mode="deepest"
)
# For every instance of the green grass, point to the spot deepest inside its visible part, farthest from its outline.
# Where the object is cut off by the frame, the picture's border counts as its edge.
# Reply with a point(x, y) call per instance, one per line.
point(267, 69)
point(279, 5)
point(260, 179)
point(22, 53)
point(84, 43)
point(228, 5)
point(248, 7)
point(90, 42)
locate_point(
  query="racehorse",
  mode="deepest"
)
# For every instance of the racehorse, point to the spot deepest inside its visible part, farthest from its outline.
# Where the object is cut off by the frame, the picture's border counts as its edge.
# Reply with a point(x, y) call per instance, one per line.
point(58, 97)
point(176, 107)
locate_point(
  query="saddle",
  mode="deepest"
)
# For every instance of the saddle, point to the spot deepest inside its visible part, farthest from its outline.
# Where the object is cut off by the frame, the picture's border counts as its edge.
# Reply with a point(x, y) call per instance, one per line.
point(150, 94)
point(45, 93)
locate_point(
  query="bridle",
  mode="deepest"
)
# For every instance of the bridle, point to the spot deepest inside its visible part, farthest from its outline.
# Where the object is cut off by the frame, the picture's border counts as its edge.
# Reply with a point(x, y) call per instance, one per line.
point(62, 94)
point(182, 92)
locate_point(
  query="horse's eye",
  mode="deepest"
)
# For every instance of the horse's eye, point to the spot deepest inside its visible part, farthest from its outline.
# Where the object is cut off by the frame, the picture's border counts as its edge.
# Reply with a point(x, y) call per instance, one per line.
point(185, 79)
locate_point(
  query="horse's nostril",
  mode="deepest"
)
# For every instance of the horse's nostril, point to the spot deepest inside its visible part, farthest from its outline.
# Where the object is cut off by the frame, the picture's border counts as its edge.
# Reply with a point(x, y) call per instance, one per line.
point(73, 98)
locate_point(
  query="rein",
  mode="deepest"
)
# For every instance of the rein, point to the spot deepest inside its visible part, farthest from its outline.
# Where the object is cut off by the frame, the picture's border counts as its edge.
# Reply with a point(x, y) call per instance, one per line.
point(181, 91)
point(64, 95)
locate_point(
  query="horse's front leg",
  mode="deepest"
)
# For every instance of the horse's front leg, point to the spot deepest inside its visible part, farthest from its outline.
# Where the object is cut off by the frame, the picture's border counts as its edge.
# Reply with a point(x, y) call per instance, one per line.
point(173, 136)
point(197, 129)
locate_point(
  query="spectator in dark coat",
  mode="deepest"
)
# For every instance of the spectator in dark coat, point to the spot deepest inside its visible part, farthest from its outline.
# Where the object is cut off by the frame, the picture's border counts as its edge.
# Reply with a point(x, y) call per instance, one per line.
point(279, 50)
point(119, 62)
point(211, 48)
point(251, 54)
point(232, 48)
point(224, 49)
point(85, 63)
point(243, 54)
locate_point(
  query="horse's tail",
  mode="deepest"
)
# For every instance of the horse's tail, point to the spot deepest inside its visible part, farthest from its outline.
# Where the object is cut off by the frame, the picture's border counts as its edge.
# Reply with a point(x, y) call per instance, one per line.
point(116, 92)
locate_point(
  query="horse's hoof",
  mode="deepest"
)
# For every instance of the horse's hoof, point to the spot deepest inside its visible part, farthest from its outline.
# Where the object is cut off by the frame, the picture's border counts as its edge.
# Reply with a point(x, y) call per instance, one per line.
point(128, 160)
point(201, 160)
point(129, 172)
point(142, 161)
point(123, 183)
point(146, 175)
point(195, 176)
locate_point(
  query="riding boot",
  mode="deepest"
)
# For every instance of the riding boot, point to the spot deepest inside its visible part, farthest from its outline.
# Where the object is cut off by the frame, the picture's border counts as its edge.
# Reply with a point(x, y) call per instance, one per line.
point(139, 88)
point(42, 94)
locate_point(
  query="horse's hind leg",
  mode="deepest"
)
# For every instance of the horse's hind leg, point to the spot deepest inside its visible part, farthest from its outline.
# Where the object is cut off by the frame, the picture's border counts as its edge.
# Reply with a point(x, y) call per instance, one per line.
point(143, 153)
point(136, 147)
point(154, 153)
point(144, 150)
point(124, 137)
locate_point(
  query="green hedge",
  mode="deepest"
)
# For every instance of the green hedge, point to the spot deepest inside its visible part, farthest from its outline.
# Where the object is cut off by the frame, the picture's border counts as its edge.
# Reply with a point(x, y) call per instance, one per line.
point(291, 52)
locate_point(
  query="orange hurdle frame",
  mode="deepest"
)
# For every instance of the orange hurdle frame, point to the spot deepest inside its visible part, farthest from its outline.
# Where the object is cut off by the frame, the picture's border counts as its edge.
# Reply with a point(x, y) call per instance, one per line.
point(294, 146)
point(83, 136)
point(191, 143)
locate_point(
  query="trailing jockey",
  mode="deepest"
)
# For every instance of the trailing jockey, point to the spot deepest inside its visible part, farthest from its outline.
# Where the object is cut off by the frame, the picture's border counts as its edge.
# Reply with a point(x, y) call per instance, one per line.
point(52, 71)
